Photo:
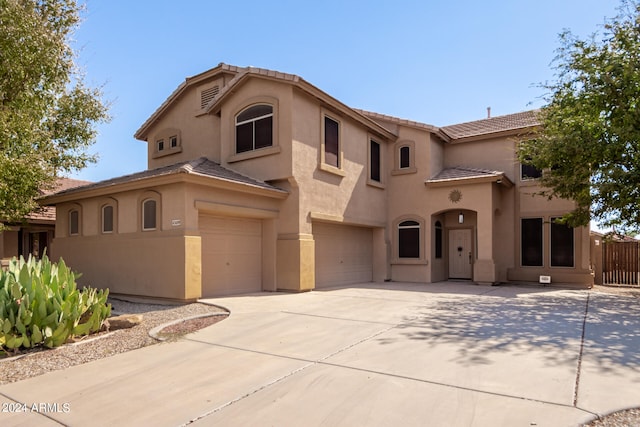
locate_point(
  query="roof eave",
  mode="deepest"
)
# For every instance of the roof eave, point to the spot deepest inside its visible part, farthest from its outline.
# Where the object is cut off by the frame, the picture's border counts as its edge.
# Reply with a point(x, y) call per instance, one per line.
point(180, 176)
point(498, 178)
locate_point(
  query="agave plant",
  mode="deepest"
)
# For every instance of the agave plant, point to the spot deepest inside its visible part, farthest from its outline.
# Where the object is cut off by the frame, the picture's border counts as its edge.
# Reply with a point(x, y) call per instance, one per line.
point(40, 304)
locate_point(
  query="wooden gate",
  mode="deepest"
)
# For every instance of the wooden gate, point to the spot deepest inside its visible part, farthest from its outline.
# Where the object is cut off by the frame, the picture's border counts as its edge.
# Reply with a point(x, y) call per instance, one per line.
point(621, 263)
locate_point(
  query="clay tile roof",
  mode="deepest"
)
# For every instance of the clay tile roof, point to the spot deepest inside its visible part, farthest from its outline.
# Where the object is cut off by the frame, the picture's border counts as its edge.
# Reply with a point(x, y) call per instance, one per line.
point(458, 172)
point(48, 213)
point(201, 166)
point(510, 122)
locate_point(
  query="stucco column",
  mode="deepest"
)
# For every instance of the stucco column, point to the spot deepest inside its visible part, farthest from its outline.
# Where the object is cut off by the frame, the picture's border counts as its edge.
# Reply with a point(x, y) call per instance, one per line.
point(484, 267)
point(380, 258)
point(296, 262)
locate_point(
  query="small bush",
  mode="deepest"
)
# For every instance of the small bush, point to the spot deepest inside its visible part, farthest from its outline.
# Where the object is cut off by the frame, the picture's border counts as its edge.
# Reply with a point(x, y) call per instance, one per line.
point(41, 305)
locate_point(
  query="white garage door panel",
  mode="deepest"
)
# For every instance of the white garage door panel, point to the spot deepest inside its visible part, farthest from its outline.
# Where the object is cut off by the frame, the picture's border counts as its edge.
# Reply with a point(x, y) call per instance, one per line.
point(231, 255)
point(344, 254)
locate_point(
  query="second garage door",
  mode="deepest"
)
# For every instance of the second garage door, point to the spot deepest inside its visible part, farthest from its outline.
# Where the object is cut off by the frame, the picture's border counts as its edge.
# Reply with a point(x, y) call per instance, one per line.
point(231, 255)
point(344, 254)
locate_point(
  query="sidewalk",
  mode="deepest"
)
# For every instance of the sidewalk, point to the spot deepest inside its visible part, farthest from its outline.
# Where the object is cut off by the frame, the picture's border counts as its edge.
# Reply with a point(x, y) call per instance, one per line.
point(371, 355)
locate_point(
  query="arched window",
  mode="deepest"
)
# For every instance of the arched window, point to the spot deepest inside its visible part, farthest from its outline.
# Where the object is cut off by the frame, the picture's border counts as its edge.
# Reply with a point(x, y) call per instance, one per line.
point(107, 219)
point(409, 239)
point(254, 128)
point(149, 214)
point(74, 222)
point(438, 236)
point(405, 157)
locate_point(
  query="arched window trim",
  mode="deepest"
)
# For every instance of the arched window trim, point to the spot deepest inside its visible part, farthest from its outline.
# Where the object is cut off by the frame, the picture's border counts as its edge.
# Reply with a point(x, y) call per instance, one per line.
point(262, 122)
point(409, 240)
point(74, 223)
point(103, 219)
point(398, 167)
point(144, 218)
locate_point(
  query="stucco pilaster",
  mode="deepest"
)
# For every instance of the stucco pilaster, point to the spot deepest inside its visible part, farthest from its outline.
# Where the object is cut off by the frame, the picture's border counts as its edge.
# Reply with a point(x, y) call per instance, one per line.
point(296, 262)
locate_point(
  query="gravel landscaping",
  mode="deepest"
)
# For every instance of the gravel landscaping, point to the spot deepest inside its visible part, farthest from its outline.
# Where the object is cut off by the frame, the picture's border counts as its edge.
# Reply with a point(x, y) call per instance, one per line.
point(40, 361)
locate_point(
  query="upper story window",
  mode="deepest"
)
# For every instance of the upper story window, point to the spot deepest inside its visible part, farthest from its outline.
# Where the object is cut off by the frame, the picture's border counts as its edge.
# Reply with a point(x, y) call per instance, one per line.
point(374, 161)
point(149, 214)
point(254, 128)
point(107, 219)
point(167, 142)
point(409, 239)
point(528, 171)
point(74, 222)
point(404, 162)
point(331, 142)
point(405, 157)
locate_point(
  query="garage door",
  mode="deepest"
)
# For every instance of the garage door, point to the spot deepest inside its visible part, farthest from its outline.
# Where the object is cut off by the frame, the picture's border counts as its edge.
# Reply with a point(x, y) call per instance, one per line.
point(231, 255)
point(344, 254)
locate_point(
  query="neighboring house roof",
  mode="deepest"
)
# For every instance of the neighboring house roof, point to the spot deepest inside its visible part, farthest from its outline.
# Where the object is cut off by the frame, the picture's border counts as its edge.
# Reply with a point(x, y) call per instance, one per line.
point(459, 174)
point(202, 167)
point(495, 125)
point(48, 213)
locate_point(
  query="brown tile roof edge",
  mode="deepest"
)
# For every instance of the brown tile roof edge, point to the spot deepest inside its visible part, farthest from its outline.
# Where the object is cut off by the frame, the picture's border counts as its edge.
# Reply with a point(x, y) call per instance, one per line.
point(460, 172)
point(508, 122)
point(201, 166)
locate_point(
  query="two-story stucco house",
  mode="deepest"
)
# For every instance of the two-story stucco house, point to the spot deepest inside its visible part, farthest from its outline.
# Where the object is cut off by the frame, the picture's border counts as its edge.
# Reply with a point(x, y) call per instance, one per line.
point(258, 180)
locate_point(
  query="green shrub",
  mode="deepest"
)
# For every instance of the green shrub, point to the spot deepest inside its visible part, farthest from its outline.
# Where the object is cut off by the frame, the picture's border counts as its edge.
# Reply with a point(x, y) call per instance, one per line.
point(41, 305)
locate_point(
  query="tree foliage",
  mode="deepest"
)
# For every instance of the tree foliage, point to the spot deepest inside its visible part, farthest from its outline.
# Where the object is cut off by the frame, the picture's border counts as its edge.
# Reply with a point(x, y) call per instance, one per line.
point(588, 144)
point(47, 113)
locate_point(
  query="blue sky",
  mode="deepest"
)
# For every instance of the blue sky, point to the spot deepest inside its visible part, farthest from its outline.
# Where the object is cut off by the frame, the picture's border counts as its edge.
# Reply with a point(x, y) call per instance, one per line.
point(438, 62)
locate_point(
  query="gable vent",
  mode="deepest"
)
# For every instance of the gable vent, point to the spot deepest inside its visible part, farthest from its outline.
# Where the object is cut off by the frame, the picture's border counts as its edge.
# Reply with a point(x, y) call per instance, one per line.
point(207, 95)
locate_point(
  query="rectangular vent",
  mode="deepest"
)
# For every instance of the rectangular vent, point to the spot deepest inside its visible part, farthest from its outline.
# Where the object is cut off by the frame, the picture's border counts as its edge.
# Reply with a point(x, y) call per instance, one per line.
point(207, 95)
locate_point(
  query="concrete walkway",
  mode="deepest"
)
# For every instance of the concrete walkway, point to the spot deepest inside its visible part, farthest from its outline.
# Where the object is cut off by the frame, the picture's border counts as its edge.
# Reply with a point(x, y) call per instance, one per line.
point(446, 354)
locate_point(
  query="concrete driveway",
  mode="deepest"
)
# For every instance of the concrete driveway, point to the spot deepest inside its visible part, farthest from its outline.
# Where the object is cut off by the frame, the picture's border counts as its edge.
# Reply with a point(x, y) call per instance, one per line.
point(450, 354)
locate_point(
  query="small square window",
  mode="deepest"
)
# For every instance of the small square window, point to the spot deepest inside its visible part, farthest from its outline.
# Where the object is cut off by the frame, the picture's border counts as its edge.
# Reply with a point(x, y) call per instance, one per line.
point(160, 144)
point(173, 141)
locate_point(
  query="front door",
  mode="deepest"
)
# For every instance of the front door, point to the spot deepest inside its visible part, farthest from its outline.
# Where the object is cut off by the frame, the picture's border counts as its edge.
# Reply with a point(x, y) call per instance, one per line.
point(460, 255)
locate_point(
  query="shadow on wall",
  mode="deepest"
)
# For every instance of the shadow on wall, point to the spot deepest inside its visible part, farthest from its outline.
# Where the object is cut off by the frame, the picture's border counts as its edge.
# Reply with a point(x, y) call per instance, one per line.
point(482, 326)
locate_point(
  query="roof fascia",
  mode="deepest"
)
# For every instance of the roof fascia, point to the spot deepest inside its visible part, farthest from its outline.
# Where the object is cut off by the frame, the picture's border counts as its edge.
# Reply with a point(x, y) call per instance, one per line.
point(141, 133)
point(309, 89)
point(500, 179)
point(492, 135)
point(154, 181)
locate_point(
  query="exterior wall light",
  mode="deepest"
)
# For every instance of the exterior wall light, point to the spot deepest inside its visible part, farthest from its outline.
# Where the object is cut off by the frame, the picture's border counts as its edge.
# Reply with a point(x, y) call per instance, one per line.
point(460, 218)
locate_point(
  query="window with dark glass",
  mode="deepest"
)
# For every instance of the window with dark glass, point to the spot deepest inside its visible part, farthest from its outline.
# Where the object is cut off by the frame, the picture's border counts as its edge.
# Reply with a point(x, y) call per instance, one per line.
point(173, 141)
point(160, 144)
point(107, 219)
point(531, 242)
point(528, 171)
point(375, 161)
point(562, 245)
point(254, 128)
point(149, 214)
point(405, 161)
point(409, 239)
point(438, 234)
point(74, 222)
point(331, 142)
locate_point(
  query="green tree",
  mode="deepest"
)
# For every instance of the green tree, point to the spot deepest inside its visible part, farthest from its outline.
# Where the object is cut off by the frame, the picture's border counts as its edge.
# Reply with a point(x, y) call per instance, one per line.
point(47, 113)
point(588, 144)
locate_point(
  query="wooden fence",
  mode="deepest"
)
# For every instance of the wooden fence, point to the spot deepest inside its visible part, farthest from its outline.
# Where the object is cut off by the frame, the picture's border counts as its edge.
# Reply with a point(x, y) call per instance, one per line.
point(621, 263)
